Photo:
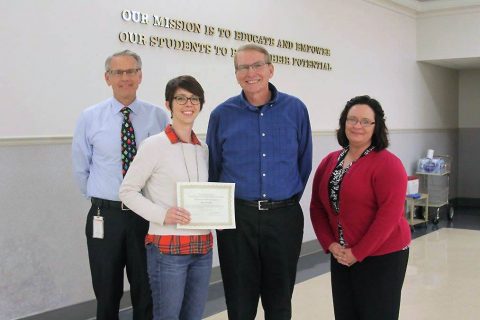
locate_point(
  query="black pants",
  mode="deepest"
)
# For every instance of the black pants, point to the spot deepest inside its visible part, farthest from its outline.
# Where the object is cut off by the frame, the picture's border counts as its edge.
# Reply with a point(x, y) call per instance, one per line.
point(259, 259)
point(371, 289)
point(122, 246)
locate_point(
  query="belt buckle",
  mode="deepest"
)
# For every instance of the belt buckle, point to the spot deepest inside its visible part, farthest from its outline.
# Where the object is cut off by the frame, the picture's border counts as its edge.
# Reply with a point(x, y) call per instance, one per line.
point(124, 207)
point(260, 205)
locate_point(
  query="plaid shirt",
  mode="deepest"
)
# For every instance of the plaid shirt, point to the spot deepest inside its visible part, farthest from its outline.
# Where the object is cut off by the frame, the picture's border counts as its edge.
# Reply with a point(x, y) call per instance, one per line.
point(172, 244)
point(172, 136)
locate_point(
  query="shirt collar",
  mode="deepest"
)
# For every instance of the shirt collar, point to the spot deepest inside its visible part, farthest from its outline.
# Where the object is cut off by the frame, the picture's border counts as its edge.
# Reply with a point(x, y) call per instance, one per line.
point(272, 101)
point(172, 136)
point(117, 106)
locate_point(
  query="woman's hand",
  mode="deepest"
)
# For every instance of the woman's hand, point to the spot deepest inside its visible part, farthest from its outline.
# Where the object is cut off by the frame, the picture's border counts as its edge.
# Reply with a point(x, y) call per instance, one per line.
point(177, 215)
point(342, 255)
point(336, 249)
point(349, 258)
point(338, 252)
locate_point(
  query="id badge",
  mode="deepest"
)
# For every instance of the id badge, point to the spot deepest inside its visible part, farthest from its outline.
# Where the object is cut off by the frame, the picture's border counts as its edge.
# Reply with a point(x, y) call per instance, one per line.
point(98, 227)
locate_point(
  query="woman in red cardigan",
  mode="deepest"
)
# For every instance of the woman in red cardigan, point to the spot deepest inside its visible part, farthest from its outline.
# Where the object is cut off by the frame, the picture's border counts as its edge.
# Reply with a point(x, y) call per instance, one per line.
point(357, 212)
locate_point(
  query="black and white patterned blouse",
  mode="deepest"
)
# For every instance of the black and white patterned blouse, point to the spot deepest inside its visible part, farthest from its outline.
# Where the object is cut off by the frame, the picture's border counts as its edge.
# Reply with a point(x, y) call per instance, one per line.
point(335, 183)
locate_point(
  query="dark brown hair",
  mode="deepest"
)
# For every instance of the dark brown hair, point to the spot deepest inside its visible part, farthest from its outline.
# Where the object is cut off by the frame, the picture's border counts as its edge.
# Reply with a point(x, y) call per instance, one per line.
point(380, 133)
point(185, 82)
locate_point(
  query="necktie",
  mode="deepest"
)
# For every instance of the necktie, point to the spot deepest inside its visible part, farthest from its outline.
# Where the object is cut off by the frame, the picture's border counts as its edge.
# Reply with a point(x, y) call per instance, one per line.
point(129, 147)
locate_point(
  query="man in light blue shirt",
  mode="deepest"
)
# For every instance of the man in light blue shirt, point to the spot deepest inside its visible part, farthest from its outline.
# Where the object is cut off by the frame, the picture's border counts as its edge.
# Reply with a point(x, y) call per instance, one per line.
point(115, 234)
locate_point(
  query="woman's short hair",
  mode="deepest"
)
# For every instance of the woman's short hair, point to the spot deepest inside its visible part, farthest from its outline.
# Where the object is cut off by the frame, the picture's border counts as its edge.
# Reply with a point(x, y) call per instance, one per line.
point(185, 82)
point(380, 133)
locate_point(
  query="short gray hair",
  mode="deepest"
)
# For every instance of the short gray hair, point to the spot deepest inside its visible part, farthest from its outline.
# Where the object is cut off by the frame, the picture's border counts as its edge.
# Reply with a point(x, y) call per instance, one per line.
point(252, 47)
point(123, 53)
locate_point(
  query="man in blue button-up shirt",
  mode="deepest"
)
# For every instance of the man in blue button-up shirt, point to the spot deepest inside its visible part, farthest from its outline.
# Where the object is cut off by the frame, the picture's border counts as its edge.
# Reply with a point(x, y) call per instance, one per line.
point(260, 140)
point(117, 239)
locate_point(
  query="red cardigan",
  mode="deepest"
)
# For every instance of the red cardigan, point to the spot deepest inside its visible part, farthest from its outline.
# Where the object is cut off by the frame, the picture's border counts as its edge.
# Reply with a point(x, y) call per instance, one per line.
point(372, 200)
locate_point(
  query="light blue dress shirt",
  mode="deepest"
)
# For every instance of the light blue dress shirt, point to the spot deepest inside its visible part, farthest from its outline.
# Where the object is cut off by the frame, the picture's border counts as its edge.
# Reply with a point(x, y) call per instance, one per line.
point(96, 146)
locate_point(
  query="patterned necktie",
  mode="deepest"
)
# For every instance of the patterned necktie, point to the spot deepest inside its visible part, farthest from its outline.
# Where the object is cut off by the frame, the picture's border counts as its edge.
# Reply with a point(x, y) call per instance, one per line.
point(129, 147)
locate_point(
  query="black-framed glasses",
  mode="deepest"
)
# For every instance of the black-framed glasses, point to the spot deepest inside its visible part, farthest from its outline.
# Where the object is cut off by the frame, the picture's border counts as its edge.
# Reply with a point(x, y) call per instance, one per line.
point(128, 72)
point(363, 122)
point(183, 100)
point(243, 68)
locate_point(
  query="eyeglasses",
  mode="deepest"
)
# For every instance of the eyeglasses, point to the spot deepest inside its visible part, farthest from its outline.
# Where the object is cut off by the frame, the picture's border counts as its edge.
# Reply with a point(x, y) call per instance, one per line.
point(183, 100)
point(243, 68)
point(363, 122)
point(128, 72)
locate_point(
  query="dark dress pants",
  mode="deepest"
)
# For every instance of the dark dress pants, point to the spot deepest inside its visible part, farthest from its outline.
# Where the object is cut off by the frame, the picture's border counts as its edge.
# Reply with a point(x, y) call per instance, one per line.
point(259, 259)
point(122, 246)
point(371, 289)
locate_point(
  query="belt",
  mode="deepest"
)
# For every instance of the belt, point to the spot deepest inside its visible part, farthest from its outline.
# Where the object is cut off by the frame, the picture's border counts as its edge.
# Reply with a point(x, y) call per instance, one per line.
point(268, 204)
point(104, 203)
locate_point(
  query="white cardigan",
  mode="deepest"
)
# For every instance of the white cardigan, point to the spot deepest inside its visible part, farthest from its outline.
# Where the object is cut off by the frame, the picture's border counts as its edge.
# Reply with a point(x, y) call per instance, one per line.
point(156, 169)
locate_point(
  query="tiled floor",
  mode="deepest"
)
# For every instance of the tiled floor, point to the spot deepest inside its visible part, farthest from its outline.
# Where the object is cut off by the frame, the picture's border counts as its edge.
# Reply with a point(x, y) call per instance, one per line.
point(442, 281)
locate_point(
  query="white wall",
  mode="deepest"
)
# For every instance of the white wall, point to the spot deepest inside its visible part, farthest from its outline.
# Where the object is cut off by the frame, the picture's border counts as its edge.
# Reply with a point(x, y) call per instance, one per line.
point(57, 50)
point(454, 35)
point(54, 69)
point(449, 36)
point(469, 99)
point(469, 134)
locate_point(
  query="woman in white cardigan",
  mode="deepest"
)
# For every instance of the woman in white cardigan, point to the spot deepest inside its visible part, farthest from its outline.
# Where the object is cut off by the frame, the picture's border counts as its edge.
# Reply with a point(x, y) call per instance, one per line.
point(179, 260)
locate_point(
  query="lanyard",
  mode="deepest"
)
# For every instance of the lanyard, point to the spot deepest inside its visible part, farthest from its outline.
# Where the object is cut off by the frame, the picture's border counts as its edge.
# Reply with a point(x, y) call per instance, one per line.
point(185, 162)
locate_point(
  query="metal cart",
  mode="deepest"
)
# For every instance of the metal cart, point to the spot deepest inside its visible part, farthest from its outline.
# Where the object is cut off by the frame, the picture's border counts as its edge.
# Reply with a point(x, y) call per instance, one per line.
point(410, 204)
point(434, 180)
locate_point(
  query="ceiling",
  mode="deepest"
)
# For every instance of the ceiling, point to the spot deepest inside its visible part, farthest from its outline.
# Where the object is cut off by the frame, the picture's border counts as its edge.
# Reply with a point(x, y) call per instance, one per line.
point(424, 6)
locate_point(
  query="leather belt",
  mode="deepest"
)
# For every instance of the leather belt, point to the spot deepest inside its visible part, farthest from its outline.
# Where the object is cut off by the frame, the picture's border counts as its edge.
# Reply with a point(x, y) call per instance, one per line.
point(268, 204)
point(104, 203)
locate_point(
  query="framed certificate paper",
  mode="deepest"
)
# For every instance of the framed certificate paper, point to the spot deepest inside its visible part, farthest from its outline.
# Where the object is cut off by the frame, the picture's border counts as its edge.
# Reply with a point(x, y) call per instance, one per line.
point(211, 204)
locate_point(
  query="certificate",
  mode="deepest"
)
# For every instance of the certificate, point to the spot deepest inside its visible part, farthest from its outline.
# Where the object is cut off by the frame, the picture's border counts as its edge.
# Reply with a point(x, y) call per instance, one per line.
point(211, 204)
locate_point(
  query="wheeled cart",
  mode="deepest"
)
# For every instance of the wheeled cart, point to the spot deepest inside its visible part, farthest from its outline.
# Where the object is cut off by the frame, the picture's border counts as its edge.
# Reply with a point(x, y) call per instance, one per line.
point(434, 180)
point(411, 203)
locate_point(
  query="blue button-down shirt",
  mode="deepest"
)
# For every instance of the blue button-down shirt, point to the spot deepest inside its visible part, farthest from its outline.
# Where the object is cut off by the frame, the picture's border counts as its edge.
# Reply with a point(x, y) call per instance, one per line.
point(96, 146)
point(266, 152)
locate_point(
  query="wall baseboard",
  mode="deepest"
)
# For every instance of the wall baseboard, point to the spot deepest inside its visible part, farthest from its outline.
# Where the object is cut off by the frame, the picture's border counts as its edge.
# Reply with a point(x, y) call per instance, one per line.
point(67, 139)
point(466, 202)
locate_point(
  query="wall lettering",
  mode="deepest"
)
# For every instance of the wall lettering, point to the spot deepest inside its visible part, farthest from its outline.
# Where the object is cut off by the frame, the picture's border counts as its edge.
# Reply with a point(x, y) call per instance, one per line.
point(224, 34)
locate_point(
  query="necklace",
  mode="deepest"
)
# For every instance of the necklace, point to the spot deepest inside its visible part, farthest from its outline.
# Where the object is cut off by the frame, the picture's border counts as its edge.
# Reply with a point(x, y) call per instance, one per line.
point(349, 160)
point(185, 161)
point(347, 156)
